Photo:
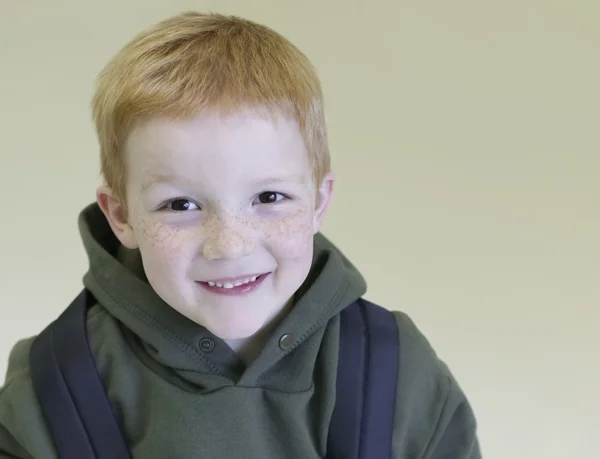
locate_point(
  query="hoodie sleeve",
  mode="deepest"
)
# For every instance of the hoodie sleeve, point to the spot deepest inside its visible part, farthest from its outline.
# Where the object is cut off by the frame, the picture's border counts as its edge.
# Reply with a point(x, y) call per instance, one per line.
point(434, 419)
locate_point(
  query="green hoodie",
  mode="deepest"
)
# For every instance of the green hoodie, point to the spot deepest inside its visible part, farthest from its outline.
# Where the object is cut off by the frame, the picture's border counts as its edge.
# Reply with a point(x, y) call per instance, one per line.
point(180, 399)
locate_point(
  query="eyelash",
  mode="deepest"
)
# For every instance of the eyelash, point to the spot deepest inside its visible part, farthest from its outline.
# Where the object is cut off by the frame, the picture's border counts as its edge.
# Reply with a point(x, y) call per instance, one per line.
point(283, 196)
point(165, 205)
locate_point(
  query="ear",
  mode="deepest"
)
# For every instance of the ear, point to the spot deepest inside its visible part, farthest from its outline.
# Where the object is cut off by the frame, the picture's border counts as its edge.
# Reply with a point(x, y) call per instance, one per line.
point(323, 199)
point(116, 214)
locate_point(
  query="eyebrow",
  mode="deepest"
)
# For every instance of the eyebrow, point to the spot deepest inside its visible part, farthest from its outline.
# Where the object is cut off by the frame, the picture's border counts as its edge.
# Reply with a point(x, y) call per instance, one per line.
point(156, 179)
point(297, 179)
point(160, 178)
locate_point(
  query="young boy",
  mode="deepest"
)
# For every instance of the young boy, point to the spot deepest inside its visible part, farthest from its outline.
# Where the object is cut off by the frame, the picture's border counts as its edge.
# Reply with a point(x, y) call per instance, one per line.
point(216, 324)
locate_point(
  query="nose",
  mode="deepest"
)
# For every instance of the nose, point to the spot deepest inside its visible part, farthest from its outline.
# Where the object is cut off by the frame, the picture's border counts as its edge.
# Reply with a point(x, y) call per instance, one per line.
point(228, 239)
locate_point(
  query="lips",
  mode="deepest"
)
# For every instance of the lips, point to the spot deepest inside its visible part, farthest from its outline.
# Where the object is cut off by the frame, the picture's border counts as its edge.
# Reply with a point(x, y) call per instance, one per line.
point(234, 286)
point(231, 282)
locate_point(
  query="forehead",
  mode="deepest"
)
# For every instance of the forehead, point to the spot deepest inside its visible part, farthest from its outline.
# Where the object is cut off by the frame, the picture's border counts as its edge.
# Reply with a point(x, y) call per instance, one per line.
point(209, 147)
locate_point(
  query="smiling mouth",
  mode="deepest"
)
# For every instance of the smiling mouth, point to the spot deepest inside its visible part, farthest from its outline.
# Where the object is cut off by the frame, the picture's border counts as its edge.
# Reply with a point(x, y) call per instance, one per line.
point(234, 285)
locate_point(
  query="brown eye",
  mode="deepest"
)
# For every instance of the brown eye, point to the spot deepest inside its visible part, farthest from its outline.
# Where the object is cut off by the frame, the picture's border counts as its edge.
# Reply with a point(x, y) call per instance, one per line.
point(181, 205)
point(269, 197)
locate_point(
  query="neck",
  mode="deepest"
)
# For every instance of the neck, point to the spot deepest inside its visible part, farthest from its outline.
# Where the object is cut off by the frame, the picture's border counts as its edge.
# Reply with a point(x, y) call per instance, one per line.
point(249, 348)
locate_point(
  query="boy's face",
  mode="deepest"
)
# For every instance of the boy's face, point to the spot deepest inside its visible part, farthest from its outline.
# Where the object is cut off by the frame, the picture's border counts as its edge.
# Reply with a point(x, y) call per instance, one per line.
point(214, 202)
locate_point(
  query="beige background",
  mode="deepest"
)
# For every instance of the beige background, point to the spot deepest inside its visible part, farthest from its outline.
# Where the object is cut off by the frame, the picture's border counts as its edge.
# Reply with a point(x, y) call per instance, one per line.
point(465, 137)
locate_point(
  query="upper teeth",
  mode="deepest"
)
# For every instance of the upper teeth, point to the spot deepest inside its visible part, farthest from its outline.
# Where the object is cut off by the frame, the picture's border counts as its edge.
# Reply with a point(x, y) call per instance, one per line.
point(231, 285)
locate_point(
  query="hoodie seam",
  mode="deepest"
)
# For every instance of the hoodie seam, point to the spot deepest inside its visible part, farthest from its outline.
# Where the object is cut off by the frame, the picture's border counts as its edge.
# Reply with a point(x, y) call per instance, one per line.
point(182, 345)
point(277, 391)
point(330, 306)
point(319, 323)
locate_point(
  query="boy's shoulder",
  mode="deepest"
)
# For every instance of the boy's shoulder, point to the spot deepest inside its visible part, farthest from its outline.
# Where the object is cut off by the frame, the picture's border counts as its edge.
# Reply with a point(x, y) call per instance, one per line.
point(433, 416)
point(23, 432)
point(18, 362)
point(416, 349)
point(18, 368)
point(422, 373)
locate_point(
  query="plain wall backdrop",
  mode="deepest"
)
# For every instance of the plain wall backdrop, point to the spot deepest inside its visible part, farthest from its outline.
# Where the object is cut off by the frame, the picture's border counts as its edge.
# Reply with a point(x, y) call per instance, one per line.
point(466, 142)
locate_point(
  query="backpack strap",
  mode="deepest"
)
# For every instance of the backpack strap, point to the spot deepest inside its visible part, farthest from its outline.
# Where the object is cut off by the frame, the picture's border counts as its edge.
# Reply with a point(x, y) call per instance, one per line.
point(363, 417)
point(68, 387)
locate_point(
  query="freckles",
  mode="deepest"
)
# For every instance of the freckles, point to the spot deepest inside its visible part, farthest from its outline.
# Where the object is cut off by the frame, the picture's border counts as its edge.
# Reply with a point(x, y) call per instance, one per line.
point(166, 242)
point(247, 226)
point(291, 234)
point(236, 232)
point(155, 233)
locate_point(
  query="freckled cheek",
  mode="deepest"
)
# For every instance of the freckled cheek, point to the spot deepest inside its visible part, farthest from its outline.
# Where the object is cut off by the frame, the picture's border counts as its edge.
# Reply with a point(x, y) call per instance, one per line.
point(163, 243)
point(290, 237)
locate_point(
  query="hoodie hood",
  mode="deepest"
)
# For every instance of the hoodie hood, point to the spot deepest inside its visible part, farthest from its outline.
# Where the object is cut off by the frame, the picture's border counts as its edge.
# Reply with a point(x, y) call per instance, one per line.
point(169, 340)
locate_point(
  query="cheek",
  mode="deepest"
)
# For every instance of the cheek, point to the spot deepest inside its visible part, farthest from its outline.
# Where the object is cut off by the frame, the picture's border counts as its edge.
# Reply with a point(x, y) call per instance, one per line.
point(161, 244)
point(292, 236)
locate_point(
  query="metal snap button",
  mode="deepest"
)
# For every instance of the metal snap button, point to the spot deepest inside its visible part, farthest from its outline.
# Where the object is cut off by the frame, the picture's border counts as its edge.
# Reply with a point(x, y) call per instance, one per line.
point(286, 342)
point(207, 345)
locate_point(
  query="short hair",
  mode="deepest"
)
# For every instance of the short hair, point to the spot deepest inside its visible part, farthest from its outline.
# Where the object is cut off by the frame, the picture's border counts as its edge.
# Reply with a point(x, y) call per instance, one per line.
point(194, 61)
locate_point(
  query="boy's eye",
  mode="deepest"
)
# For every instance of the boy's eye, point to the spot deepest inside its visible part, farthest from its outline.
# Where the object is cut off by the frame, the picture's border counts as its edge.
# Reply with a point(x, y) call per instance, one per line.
point(181, 205)
point(269, 197)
